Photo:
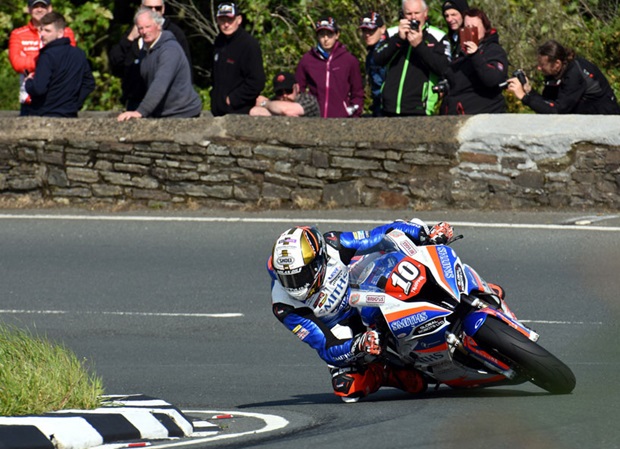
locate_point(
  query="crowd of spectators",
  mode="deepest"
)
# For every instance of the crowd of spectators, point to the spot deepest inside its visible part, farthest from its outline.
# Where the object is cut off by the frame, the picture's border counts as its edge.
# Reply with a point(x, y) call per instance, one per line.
point(411, 69)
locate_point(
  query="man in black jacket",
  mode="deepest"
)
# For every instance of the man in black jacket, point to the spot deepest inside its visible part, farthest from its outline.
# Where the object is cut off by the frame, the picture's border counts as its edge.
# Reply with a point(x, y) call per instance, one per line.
point(415, 58)
point(62, 79)
point(125, 57)
point(238, 74)
point(573, 85)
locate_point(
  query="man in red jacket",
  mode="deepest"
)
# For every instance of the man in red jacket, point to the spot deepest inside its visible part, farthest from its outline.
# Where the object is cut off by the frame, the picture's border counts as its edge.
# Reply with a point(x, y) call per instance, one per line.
point(25, 42)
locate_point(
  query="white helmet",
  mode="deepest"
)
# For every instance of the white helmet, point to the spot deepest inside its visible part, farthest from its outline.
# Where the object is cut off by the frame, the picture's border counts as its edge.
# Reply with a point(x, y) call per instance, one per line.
point(299, 260)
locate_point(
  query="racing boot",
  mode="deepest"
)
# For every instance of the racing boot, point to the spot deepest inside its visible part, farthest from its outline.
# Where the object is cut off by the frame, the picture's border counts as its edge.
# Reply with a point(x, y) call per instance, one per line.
point(353, 383)
point(409, 380)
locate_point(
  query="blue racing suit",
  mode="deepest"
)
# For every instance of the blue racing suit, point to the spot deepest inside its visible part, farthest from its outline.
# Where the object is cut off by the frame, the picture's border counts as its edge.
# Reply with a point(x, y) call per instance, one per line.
point(325, 321)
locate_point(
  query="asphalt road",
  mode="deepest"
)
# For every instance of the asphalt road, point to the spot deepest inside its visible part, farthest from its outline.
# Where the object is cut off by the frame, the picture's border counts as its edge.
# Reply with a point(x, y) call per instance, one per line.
point(180, 310)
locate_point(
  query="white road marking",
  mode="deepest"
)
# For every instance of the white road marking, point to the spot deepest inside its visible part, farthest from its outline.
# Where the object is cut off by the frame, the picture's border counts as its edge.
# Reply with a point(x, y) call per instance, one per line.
point(157, 314)
point(272, 423)
point(179, 219)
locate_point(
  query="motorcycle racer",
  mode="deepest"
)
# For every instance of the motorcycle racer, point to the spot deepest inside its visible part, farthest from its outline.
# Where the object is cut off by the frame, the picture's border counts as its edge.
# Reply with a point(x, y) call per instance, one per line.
point(310, 291)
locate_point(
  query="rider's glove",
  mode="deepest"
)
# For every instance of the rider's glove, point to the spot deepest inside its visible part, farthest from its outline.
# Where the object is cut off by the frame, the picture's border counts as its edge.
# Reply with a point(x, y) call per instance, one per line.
point(441, 233)
point(367, 343)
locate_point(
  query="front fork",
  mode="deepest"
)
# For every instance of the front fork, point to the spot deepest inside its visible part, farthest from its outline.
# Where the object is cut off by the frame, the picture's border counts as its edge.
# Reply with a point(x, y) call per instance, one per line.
point(470, 316)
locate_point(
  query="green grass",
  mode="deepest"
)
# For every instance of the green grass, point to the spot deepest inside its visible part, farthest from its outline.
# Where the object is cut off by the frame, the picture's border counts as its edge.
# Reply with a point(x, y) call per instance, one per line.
point(38, 376)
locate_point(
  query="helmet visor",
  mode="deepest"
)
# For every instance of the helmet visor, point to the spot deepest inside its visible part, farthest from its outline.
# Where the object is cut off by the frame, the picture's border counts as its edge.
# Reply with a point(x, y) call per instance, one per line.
point(301, 277)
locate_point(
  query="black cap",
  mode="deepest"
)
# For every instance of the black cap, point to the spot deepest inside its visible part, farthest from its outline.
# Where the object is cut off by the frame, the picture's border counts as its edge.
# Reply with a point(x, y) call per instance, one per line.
point(371, 21)
point(283, 81)
point(227, 10)
point(460, 5)
point(326, 23)
point(31, 3)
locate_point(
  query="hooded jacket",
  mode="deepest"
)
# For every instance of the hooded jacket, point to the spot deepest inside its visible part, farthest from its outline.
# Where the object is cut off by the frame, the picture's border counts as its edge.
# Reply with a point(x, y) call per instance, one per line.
point(237, 73)
point(336, 81)
point(412, 72)
point(62, 81)
point(581, 89)
point(166, 72)
point(474, 80)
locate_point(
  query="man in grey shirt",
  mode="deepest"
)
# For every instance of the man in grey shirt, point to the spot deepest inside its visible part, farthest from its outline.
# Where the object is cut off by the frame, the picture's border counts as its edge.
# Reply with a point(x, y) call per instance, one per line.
point(166, 71)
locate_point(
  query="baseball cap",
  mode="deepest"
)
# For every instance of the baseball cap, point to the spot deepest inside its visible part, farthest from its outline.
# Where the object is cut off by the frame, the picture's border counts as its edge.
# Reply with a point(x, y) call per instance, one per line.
point(31, 3)
point(326, 23)
point(283, 81)
point(371, 21)
point(227, 10)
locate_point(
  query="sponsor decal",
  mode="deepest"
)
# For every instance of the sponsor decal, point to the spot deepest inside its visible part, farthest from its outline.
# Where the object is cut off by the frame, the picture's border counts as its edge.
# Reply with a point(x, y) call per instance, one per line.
point(444, 259)
point(429, 326)
point(408, 247)
point(408, 321)
point(460, 278)
point(320, 300)
point(375, 299)
point(301, 332)
point(285, 260)
point(430, 358)
point(354, 299)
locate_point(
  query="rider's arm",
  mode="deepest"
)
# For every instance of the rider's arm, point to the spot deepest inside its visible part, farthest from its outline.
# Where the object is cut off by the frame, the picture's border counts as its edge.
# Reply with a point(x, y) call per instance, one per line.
point(309, 329)
point(351, 243)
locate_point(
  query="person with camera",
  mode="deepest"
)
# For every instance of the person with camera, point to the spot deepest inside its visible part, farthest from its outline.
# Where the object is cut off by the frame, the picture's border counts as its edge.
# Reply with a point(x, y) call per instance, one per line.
point(414, 58)
point(454, 15)
point(573, 85)
point(481, 65)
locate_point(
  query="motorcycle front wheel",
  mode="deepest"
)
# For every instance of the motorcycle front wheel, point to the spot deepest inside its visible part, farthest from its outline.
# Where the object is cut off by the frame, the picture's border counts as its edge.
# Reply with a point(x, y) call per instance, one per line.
point(525, 356)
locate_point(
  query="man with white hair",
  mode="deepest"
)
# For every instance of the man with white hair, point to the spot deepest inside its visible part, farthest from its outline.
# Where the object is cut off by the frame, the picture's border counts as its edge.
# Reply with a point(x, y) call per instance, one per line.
point(415, 58)
point(166, 72)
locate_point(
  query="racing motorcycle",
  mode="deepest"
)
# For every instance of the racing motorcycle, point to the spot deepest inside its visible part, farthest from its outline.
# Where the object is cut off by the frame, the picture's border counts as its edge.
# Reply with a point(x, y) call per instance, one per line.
point(438, 315)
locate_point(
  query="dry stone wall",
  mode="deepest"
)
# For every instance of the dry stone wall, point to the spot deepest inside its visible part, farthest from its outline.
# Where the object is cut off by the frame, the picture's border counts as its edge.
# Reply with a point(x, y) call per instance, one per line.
point(486, 161)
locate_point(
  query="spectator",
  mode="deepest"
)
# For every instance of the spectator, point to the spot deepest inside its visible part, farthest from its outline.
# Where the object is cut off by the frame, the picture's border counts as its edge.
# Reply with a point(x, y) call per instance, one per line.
point(125, 56)
point(573, 85)
point(332, 74)
point(414, 57)
point(288, 100)
point(238, 74)
point(25, 42)
point(62, 78)
point(478, 70)
point(454, 14)
point(374, 33)
point(166, 73)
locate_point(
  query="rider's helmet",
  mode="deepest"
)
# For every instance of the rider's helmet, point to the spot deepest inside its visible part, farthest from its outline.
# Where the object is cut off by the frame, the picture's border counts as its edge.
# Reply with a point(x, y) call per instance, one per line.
point(299, 261)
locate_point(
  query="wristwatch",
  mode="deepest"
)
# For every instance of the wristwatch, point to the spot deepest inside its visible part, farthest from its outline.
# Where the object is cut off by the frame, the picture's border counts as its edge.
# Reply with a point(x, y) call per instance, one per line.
point(263, 103)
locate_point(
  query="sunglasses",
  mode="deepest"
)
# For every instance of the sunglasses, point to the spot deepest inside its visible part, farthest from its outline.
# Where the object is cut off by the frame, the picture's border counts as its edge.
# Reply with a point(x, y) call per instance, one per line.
point(155, 8)
point(283, 92)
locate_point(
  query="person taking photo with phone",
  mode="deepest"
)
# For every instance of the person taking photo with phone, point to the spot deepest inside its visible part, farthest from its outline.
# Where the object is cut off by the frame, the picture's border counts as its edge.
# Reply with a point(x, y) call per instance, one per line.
point(473, 78)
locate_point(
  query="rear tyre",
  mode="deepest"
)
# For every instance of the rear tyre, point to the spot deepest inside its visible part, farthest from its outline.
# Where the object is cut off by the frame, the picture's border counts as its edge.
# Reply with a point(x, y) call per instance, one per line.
point(525, 356)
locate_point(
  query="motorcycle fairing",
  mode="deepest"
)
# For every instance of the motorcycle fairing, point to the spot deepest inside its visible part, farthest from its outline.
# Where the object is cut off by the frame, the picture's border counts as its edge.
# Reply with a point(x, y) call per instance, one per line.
point(474, 320)
point(445, 266)
point(410, 319)
point(474, 282)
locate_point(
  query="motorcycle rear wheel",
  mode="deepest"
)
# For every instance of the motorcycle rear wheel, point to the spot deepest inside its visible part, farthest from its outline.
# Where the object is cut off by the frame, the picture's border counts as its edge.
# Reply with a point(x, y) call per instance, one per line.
point(525, 356)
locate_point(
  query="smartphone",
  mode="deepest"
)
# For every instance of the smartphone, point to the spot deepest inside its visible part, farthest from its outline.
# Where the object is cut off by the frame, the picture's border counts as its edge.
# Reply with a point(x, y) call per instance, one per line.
point(468, 34)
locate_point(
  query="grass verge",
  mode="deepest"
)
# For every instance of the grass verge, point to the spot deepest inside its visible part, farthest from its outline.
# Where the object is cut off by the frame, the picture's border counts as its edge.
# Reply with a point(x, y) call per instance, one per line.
point(38, 376)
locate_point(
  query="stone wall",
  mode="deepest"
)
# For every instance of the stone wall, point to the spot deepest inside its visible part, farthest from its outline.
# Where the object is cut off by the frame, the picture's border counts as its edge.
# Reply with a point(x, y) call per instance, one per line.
point(486, 161)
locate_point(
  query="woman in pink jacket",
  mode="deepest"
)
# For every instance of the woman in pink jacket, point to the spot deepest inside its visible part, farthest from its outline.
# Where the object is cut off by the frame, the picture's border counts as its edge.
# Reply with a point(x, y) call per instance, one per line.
point(332, 74)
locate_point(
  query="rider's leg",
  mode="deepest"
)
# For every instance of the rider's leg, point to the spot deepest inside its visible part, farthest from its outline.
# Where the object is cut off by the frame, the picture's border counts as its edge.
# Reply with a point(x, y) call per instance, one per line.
point(409, 380)
point(355, 383)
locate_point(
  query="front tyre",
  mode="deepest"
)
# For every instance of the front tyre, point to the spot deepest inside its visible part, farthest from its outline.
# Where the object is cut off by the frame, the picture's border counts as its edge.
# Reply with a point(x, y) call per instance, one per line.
point(525, 356)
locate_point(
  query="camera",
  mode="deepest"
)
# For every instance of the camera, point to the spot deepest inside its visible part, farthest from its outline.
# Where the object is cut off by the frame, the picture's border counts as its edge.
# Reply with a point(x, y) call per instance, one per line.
point(518, 74)
point(414, 25)
point(442, 87)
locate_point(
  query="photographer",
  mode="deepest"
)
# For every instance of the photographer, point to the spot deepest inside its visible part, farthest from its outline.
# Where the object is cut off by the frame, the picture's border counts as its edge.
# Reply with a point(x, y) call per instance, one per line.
point(414, 58)
point(573, 85)
point(476, 73)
